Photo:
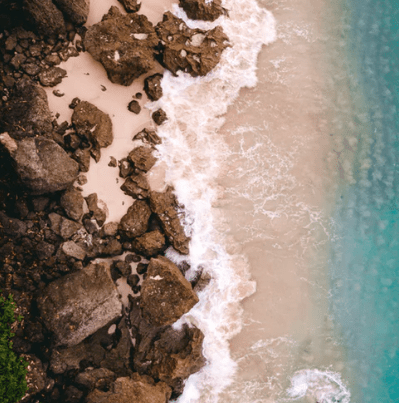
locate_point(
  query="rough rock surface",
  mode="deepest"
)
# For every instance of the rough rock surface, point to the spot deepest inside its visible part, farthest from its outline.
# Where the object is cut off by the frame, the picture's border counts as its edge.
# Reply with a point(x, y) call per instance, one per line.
point(93, 378)
point(164, 205)
point(150, 244)
point(77, 305)
point(142, 158)
point(136, 186)
point(131, 6)
point(152, 87)
point(135, 222)
point(92, 123)
point(140, 389)
point(202, 9)
point(41, 164)
point(36, 376)
point(148, 136)
point(193, 51)
point(62, 226)
point(27, 113)
point(159, 116)
point(76, 11)
point(123, 44)
point(72, 202)
point(51, 76)
point(45, 16)
point(165, 294)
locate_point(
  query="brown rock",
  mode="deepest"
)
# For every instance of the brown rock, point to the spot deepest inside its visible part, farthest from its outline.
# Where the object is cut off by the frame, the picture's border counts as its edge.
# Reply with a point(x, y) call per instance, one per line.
point(131, 6)
point(193, 51)
point(134, 107)
point(52, 76)
point(72, 202)
point(140, 389)
point(152, 87)
point(123, 44)
point(159, 116)
point(36, 375)
point(136, 186)
point(150, 244)
point(142, 158)
point(165, 206)
point(202, 9)
point(135, 222)
point(165, 294)
point(148, 136)
point(83, 159)
point(77, 11)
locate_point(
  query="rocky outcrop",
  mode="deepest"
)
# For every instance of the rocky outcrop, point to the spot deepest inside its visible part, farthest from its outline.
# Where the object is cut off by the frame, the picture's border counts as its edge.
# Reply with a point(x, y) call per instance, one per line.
point(93, 125)
point(203, 9)
point(165, 206)
point(150, 244)
point(41, 164)
point(131, 6)
point(135, 222)
point(193, 51)
point(123, 44)
point(45, 17)
point(165, 294)
point(76, 11)
point(152, 87)
point(27, 113)
point(140, 389)
point(78, 304)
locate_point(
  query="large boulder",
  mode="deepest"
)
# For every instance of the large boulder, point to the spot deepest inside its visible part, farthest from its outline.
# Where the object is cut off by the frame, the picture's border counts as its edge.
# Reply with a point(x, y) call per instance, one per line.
point(93, 124)
point(164, 205)
point(140, 389)
point(165, 294)
point(45, 17)
point(135, 222)
point(27, 112)
point(203, 9)
point(77, 305)
point(193, 51)
point(41, 164)
point(76, 11)
point(150, 244)
point(123, 44)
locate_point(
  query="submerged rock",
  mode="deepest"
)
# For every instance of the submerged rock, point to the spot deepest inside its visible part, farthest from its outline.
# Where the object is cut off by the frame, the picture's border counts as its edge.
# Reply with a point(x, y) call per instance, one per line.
point(123, 44)
point(41, 164)
point(76, 11)
point(193, 51)
point(203, 9)
point(164, 205)
point(78, 304)
point(165, 294)
point(140, 389)
point(152, 87)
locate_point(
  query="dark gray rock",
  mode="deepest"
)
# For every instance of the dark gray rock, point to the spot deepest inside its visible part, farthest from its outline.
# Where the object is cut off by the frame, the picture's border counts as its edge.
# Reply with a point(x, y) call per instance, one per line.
point(135, 222)
point(152, 87)
point(202, 9)
point(150, 244)
point(76, 11)
point(72, 202)
point(52, 76)
point(62, 226)
point(78, 304)
point(123, 44)
point(165, 294)
point(193, 51)
point(142, 158)
point(41, 164)
point(11, 227)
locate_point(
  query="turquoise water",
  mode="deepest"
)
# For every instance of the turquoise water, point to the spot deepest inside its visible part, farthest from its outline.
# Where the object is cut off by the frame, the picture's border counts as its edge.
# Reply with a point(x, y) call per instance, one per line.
point(365, 259)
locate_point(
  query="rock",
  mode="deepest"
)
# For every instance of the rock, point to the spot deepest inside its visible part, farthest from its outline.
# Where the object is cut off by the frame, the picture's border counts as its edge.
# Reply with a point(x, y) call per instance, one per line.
point(72, 202)
point(140, 389)
point(12, 227)
point(152, 87)
point(93, 124)
point(141, 268)
point(72, 394)
point(136, 186)
point(31, 69)
point(71, 249)
point(165, 294)
point(131, 6)
point(202, 9)
point(133, 280)
point(134, 107)
point(112, 248)
point(99, 378)
point(83, 159)
point(135, 222)
point(27, 113)
point(44, 250)
point(45, 17)
point(165, 206)
point(142, 158)
point(150, 244)
point(123, 44)
point(36, 378)
point(130, 258)
point(110, 229)
point(62, 226)
point(76, 11)
point(148, 136)
point(125, 168)
point(78, 304)
point(159, 116)
point(98, 213)
point(52, 76)
point(193, 51)
point(112, 163)
point(41, 164)
point(123, 267)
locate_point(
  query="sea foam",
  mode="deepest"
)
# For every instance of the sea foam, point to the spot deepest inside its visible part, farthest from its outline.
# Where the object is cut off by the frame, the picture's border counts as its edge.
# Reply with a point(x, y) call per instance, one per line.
point(194, 155)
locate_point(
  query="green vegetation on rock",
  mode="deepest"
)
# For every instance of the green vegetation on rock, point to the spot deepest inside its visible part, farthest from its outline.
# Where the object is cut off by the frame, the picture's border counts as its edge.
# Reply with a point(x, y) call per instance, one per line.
point(12, 368)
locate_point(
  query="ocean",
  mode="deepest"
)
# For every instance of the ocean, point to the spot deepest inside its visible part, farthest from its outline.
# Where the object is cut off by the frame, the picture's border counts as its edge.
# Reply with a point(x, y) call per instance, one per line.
point(284, 158)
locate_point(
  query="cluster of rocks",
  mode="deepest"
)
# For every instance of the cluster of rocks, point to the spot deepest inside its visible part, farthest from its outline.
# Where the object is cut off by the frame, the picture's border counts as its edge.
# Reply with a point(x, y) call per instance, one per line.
point(59, 257)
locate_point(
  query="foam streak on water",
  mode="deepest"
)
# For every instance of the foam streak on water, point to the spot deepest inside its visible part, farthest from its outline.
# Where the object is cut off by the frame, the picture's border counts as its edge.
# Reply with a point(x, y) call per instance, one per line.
point(193, 154)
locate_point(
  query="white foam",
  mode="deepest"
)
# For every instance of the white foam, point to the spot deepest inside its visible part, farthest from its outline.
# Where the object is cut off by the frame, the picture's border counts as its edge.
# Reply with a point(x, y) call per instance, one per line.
point(194, 155)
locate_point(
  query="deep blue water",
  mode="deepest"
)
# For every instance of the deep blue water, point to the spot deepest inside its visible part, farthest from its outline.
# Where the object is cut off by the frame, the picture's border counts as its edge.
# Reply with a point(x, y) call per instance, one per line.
point(365, 261)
